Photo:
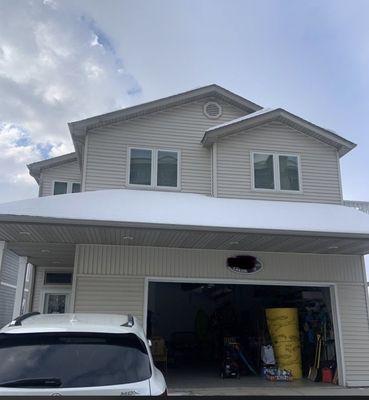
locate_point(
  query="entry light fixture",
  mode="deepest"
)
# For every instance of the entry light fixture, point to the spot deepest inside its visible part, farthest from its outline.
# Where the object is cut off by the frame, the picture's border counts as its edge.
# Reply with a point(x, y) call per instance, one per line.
point(234, 242)
point(45, 251)
point(333, 247)
point(127, 237)
point(24, 233)
point(56, 262)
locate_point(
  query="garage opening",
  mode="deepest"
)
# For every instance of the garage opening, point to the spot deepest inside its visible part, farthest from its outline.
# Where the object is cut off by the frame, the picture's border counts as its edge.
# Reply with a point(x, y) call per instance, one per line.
point(201, 332)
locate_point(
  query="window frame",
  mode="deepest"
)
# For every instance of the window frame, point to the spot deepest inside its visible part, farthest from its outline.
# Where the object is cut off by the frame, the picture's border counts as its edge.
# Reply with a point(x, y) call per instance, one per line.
point(69, 186)
point(58, 272)
point(276, 174)
point(56, 288)
point(63, 290)
point(154, 168)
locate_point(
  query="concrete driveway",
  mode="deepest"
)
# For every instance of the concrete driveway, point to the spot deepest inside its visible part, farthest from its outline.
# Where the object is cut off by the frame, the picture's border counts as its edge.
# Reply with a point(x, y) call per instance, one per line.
point(194, 385)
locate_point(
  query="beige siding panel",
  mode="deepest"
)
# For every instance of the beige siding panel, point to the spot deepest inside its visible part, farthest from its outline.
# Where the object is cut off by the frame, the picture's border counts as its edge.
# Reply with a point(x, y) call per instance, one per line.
point(319, 164)
point(179, 128)
point(66, 172)
point(39, 284)
point(9, 268)
point(7, 297)
point(183, 263)
point(355, 332)
point(114, 295)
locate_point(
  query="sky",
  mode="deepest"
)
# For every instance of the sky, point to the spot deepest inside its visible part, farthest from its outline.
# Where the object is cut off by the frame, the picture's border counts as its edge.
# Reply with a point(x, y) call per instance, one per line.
point(62, 61)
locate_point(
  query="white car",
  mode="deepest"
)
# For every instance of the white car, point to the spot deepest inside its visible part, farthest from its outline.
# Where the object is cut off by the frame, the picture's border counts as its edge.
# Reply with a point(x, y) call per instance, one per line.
point(77, 354)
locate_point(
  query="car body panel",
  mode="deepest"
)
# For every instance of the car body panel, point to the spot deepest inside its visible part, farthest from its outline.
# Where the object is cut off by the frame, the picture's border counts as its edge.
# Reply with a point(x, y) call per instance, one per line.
point(87, 323)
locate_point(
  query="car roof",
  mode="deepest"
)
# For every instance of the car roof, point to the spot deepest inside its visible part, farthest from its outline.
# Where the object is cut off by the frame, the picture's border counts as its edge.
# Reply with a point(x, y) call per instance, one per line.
point(77, 322)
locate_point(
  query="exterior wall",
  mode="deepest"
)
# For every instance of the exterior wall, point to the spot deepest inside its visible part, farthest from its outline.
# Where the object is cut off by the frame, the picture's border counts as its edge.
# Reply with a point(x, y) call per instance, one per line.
point(355, 332)
point(180, 128)
point(8, 285)
point(319, 164)
point(66, 172)
point(112, 279)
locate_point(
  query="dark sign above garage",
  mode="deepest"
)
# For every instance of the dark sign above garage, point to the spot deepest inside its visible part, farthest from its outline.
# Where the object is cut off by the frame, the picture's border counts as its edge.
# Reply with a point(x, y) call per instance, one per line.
point(244, 264)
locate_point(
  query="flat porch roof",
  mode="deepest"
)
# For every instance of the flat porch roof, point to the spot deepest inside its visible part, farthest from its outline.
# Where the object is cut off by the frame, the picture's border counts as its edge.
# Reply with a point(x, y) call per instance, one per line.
point(47, 229)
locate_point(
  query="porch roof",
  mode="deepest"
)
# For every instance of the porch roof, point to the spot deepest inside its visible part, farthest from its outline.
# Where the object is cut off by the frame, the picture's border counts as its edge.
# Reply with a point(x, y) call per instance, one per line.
point(167, 219)
point(144, 207)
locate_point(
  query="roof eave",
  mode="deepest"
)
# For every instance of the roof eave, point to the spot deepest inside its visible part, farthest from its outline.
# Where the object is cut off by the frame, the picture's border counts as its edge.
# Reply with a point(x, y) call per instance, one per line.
point(78, 129)
point(157, 105)
point(24, 219)
point(342, 145)
point(36, 167)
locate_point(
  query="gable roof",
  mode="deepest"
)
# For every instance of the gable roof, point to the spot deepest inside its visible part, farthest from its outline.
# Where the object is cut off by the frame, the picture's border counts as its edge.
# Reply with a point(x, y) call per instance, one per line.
point(78, 129)
point(36, 167)
point(267, 115)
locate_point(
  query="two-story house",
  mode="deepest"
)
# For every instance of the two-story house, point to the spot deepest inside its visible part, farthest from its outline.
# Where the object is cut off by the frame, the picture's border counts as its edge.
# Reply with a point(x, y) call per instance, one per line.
point(196, 213)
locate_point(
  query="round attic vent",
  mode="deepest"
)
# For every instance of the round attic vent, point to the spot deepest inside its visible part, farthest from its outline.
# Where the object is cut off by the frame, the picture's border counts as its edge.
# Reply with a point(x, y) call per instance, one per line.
point(212, 110)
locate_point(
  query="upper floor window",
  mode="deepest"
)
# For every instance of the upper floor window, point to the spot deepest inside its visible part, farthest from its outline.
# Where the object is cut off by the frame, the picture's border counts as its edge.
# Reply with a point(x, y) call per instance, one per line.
point(276, 172)
point(66, 187)
point(154, 168)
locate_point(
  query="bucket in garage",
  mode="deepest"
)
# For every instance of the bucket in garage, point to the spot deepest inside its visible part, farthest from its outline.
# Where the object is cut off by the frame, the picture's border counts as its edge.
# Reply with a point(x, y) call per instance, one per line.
point(283, 327)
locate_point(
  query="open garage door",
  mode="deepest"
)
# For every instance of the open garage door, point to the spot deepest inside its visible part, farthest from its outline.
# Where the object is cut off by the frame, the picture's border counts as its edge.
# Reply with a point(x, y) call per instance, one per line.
point(201, 329)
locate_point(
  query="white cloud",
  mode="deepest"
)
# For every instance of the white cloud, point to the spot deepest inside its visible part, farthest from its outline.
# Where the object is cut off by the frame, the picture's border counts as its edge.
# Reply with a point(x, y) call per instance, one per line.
point(17, 150)
point(56, 66)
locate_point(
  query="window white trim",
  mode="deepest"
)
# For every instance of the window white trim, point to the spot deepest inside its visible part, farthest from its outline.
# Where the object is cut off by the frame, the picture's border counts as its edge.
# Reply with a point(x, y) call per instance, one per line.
point(276, 172)
point(69, 185)
point(56, 290)
point(154, 168)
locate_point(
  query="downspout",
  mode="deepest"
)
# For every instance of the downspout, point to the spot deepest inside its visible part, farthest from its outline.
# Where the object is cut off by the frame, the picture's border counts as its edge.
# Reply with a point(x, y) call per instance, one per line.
point(339, 176)
point(41, 185)
point(2, 251)
point(20, 286)
point(32, 289)
point(214, 169)
point(84, 166)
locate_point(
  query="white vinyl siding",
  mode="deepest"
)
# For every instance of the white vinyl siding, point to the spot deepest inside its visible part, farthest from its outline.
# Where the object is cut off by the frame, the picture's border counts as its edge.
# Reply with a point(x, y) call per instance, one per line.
point(113, 295)
point(198, 263)
point(319, 165)
point(355, 333)
point(38, 285)
point(112, 279)
point(9, 270)
point(8, 282)
point(180, 128)
point(68, 172)
point(7, 296)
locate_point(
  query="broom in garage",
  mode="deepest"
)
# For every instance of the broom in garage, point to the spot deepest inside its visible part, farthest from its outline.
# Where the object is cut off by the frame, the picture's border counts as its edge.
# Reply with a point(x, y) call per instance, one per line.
point(313, 371)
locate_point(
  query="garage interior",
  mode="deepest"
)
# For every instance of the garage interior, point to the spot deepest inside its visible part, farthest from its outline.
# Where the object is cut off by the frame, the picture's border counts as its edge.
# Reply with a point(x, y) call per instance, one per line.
point(192, 324)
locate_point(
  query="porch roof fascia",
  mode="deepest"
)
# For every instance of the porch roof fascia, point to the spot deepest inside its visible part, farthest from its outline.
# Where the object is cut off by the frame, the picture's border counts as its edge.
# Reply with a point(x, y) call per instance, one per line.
point(187, 211)
point(33, 220)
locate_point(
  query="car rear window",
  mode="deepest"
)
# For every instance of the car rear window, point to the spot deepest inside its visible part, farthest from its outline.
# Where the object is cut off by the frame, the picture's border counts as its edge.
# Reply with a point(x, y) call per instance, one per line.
point(77, 359)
